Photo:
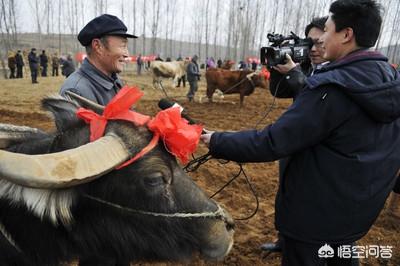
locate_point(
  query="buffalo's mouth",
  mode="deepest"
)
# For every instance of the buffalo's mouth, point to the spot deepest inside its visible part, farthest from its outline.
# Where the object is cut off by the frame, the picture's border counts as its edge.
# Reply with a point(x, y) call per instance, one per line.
point(217, 250)
point(220, 239)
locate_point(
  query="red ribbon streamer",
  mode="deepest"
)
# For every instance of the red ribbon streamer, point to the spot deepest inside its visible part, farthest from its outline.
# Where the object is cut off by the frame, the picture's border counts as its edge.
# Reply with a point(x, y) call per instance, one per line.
point(180, 138)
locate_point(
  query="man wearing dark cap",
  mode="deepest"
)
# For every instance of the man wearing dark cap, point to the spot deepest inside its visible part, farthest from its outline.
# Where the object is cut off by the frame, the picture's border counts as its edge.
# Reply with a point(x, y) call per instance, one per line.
point(33, 65)
point(106, 43)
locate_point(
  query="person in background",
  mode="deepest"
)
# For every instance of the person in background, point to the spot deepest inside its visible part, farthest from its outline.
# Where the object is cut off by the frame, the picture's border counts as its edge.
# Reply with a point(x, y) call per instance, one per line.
point(219, 63)
point(19, 60)
point(33, 65)
point(55, 64)
point(68, 66)
point(340, 138)
point(193, 75)
point(44, 60)
point(183, 78)
point(210, 63)
point(254, 65)
point(139, 64)
point(11, 64)
point(242, 65)
point(106, 43)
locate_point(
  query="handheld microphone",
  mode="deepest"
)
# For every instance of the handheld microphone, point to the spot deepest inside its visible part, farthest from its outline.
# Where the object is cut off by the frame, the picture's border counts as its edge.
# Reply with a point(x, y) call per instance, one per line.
point(165, 104)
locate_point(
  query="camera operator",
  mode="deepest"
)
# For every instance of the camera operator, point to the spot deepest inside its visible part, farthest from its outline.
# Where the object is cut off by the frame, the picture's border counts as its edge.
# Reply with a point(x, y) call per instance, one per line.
point(288, 79)
point(340, 140)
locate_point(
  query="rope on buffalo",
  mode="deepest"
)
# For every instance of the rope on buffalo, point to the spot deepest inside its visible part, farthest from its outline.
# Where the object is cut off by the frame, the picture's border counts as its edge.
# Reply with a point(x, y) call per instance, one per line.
point(194, 164)
point(218, 214)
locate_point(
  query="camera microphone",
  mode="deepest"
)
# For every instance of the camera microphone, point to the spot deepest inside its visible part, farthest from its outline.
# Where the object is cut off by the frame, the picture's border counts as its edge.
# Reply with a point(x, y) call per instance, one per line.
point(165, 104)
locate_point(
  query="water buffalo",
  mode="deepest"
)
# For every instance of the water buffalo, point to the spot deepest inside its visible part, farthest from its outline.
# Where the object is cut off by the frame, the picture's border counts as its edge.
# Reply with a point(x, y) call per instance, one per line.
point(240, 81)
point(61, 198)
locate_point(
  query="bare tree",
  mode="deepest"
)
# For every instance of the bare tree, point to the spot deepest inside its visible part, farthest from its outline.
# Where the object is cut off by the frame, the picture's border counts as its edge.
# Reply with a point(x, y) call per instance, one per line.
point(154, 25)
point(59, 25)
point(207, 21)
point(216, 19)
point(182, 29)
point(173, 22)
point(394, 32)
point(167, 16)
point(134, 26)
point(144, 27)
point(230, 31)
point(262, 33)
point(13, 22)
point(36, 8)
point(122, 10)
point(5, 37)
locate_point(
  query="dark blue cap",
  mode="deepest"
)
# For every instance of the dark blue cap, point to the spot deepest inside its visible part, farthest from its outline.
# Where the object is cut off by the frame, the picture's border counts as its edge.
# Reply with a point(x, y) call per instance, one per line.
point(101, 26)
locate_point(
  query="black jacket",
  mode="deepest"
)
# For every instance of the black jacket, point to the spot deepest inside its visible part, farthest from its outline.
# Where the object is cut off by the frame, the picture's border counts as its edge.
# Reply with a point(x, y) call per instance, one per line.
point(33, 61)
point(19, 60)
point(341, 143)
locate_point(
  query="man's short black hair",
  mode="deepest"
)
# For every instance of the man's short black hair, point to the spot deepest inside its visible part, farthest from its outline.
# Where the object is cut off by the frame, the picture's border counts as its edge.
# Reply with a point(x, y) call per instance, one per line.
point(318, 23)
point(363, 16)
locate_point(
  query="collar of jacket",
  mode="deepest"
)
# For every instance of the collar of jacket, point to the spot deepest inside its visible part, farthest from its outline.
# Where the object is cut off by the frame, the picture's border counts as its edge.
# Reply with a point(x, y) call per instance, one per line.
point(355, 56)
point(103, 80)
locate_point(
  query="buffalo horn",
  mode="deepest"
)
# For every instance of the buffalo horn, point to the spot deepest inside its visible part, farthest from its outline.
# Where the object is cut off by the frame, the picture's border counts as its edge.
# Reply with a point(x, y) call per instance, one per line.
point(64, 169)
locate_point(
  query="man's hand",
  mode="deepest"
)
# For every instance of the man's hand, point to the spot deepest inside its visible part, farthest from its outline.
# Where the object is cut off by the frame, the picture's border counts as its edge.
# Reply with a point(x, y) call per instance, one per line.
point(284, 69)
point(206, 137)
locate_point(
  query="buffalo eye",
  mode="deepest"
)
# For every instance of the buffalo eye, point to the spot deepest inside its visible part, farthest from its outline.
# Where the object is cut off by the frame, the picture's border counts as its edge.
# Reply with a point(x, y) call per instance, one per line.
point(154, 180)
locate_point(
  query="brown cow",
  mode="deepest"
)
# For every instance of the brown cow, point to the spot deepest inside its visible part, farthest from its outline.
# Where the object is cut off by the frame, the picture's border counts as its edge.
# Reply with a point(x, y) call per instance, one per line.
point(241, 81)
point(228, 64)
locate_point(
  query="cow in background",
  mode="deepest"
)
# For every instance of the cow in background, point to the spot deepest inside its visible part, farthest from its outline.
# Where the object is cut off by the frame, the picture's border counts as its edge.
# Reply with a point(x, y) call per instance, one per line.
point(174, 69)
point(240, 81)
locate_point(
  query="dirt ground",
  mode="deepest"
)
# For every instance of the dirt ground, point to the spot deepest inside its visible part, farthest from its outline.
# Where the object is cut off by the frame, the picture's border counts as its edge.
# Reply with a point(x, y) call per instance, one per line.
point(20, 105)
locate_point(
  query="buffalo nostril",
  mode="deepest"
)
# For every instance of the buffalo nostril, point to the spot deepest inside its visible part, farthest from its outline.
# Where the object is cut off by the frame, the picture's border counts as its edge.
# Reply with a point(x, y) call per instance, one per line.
point(230, 225)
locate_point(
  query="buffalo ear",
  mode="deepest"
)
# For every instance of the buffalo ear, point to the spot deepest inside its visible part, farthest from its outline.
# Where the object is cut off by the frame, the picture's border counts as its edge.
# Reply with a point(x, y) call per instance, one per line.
point(63, 110)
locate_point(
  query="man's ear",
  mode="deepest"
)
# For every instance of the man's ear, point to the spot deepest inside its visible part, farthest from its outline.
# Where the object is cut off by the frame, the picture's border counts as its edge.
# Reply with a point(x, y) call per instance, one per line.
point(97, 46)
point(348, 35)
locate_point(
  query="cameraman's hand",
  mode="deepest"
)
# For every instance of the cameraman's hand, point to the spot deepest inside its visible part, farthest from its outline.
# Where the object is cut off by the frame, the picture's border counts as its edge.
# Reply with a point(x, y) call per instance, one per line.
point(284, 69)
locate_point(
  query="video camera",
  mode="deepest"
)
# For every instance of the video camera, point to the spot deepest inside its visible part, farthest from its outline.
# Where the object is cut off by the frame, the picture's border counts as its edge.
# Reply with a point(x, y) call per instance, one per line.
point(297, 48)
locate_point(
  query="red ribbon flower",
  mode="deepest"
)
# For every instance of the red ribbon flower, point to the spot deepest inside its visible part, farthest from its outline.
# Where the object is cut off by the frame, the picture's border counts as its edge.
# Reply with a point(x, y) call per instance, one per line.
point(180, 138)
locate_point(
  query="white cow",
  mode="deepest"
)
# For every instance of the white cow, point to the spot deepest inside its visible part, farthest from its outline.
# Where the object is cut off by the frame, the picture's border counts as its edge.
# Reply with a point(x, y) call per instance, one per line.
point(174, 69)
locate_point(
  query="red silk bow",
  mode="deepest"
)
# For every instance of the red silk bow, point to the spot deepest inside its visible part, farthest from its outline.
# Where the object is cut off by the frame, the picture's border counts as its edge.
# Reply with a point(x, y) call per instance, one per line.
point(180, 138)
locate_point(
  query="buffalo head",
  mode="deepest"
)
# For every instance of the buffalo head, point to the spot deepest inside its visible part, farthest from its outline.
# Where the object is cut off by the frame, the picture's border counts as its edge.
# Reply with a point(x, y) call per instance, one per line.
point(63, 199)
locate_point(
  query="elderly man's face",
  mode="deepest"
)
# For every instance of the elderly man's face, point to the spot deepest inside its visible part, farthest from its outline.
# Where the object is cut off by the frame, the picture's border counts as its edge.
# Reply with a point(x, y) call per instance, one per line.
point(114, 55)
point(317, 51)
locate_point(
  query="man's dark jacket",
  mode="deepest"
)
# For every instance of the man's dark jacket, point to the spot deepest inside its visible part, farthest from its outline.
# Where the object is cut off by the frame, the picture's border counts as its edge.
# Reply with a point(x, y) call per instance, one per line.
point(342, 139)
point(44, 60)
point(33, 61)
point(19, 60)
